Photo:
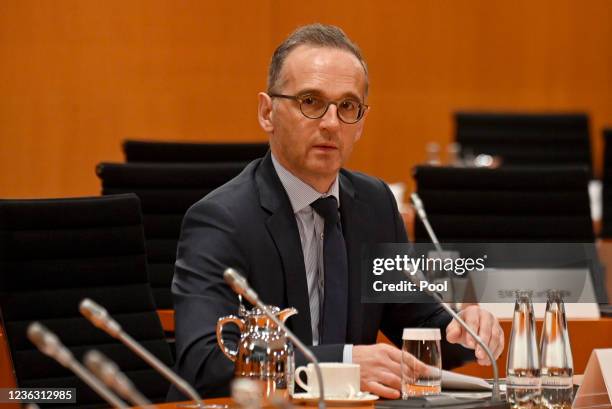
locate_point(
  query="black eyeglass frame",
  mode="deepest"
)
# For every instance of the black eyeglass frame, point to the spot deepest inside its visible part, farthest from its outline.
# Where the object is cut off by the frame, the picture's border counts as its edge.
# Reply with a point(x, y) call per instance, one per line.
point(299, 99)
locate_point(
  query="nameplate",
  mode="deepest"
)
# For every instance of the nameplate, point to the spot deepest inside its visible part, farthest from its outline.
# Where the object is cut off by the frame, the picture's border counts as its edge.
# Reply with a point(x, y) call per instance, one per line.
point(572, 310)
point(596, 387)
point(488, 282)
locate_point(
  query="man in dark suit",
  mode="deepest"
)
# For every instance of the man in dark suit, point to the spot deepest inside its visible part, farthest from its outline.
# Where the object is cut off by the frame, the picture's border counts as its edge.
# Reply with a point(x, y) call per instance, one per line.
point(277, 223)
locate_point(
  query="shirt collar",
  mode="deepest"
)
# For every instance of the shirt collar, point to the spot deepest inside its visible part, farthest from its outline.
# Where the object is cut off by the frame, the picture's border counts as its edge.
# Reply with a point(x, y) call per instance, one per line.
point(300, 193)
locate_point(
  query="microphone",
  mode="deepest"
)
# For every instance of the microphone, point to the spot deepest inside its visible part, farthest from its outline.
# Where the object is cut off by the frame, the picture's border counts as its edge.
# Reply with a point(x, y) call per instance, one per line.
point(422, 214)
point(241, 287)
point(111, 375)
point(416, 278)
point(100, 318)
point(420, 209)
point(49, 344)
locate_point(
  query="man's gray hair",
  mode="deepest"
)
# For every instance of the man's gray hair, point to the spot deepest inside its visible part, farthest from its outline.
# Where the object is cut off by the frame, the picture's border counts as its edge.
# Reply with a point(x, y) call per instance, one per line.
point(318, 35)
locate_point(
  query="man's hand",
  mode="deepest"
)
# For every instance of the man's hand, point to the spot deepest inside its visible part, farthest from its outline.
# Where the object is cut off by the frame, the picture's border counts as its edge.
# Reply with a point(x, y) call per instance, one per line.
point(381, 368)
point(485, 325)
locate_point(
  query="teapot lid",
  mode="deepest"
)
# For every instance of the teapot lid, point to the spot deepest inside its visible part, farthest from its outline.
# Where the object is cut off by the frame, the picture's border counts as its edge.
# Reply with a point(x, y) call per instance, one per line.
point(244, 313)
point(257, 311)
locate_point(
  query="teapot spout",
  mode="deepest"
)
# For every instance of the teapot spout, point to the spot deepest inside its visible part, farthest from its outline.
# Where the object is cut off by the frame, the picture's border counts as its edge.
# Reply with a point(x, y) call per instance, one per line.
point(286, 313)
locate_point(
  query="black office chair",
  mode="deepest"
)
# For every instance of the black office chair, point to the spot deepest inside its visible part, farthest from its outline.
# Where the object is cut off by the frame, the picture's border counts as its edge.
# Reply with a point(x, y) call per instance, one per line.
point(505, 204)
point(54, 253)
point(166, 191)
point(512, 205)
point(163, 151)
point(606, 217)
point(524, 139)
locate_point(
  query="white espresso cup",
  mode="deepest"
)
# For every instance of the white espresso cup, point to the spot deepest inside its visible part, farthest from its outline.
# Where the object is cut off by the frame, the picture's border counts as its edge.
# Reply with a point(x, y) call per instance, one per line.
point(340, 380)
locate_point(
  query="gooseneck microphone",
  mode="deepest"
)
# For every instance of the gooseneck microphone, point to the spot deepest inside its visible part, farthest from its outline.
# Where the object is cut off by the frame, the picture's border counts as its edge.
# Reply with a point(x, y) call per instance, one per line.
point(49, 344)
point(420, 209)
point(107, 371)
point(240, 286)
point(99, 317)
point(422, 214)
point(416, 277)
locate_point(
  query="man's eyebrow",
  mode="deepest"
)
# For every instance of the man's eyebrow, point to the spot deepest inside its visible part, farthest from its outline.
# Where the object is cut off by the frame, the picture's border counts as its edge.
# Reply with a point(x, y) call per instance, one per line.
point(309, 91)
point(317, 92)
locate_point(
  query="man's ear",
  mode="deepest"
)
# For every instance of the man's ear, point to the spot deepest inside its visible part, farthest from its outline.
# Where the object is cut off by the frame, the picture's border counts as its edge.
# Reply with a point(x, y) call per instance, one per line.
point(264, 112)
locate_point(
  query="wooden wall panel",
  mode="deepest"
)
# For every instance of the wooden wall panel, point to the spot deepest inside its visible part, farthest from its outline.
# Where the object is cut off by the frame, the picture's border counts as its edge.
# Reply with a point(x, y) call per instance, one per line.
point(79, 76)
point(83, 75)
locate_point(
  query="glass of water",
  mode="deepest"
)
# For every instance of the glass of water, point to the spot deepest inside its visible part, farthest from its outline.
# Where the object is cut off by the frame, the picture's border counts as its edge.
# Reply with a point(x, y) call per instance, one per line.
point(421, 362)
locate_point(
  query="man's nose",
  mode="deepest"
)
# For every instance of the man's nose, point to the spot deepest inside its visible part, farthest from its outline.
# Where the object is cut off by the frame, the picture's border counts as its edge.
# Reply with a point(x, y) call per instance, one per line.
point(330, 119)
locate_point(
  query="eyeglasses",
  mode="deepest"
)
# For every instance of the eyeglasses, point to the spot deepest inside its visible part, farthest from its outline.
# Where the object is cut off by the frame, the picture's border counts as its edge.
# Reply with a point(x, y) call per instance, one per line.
point(349, 110)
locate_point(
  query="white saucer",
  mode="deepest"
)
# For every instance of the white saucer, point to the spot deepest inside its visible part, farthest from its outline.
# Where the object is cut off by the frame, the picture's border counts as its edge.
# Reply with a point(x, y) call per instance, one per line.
point(361, 397)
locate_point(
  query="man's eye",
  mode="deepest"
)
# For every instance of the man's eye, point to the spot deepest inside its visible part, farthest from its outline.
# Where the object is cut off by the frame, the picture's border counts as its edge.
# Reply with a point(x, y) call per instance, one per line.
point(348, 105)
point(309, 100)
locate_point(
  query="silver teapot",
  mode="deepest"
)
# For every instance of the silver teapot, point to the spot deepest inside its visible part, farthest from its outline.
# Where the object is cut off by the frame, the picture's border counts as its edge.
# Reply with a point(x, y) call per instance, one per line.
point(264, 352)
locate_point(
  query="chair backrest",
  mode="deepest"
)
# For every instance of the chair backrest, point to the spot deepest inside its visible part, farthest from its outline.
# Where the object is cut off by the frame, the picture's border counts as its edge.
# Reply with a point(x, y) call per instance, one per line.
point(512, 205)
point(180, 152)
point(166, 191)
point(505, 204)
point(54, 253)
point(524, 139)
point(606, 217)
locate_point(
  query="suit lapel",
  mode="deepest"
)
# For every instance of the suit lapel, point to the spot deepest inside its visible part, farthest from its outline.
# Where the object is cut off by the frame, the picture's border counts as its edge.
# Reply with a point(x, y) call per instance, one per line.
point(283, 228)
point(356, 230)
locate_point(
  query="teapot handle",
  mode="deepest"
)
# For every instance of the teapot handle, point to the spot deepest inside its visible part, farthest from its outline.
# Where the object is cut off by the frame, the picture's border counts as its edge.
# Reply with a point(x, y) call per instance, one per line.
point(220, 323)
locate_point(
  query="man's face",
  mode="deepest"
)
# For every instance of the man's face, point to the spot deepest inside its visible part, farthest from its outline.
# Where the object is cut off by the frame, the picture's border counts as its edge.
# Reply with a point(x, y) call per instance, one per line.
point(314, 149)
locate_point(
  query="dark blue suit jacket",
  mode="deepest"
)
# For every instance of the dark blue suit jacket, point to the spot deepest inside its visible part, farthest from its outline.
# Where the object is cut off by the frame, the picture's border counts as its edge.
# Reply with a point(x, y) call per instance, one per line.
point(248, 224)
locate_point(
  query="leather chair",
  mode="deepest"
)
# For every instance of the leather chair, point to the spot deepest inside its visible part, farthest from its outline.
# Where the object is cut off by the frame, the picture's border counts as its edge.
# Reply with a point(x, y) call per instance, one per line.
point(505, 204)
point(54, 253)
point(166, 191)
point(526, 139)
point(512, 205)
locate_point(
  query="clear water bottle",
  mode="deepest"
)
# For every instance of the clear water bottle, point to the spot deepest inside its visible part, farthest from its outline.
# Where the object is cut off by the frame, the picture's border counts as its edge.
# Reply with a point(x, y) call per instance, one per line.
point(557, 366)
point(523, 385)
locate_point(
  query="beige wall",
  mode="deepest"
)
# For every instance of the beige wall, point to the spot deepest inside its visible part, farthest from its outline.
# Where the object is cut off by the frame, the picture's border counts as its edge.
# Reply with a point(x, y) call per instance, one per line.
point(76, 77)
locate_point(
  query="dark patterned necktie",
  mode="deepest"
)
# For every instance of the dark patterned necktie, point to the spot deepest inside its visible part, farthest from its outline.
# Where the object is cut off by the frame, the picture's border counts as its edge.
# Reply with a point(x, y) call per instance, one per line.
point(335, 297)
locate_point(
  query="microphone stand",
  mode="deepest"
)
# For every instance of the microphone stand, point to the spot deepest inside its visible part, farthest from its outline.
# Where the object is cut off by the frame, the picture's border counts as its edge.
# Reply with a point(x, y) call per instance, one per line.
point(422, 214)
point(420, 209)
point(99, 317)
point(239, 284)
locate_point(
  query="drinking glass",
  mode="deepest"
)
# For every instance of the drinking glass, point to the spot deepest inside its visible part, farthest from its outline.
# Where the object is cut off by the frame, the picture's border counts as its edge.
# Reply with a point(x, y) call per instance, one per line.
point(421, 362)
